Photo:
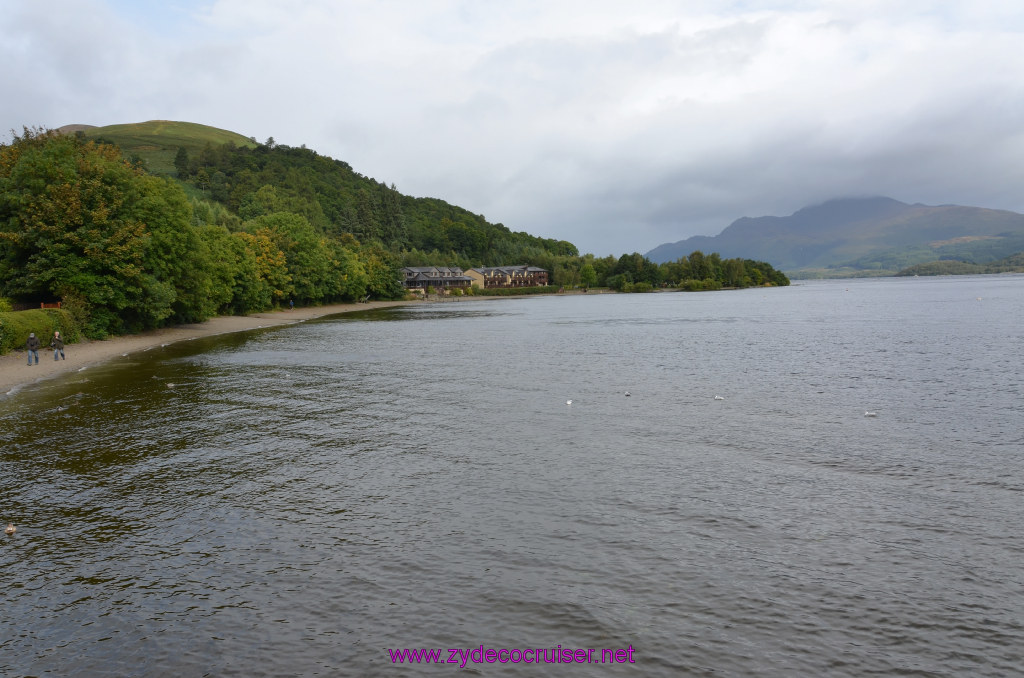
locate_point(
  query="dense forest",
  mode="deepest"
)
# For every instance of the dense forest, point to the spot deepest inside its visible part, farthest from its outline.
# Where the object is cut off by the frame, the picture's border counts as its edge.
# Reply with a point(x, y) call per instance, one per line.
point(238, 229)
point(1012, 264)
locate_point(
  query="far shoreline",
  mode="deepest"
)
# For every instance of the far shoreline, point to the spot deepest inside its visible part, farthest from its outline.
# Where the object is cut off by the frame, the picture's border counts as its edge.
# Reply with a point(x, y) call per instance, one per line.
point(16, 374)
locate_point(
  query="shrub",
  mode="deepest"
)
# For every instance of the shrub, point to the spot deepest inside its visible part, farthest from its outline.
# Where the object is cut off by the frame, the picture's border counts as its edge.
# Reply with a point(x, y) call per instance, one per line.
point(515, 291)
point(708, 284)
point(77, 308)
point(15, 326)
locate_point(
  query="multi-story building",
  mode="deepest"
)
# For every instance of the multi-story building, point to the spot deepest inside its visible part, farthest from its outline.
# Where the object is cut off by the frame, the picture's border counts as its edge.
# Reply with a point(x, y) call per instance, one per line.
point(439, 277)
point(508, 276)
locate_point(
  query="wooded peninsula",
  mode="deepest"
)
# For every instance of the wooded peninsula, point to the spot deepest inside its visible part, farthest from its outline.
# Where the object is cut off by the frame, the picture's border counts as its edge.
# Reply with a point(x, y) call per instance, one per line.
point(236, 228)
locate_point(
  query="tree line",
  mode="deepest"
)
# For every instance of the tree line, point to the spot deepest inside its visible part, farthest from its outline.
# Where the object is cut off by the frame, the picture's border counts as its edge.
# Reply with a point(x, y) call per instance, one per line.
point(240, 230)
point(337, 200)
point(429, 231)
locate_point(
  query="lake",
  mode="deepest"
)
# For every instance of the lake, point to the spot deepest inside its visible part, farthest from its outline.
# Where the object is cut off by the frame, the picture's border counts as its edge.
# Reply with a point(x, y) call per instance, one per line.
point(824, 479)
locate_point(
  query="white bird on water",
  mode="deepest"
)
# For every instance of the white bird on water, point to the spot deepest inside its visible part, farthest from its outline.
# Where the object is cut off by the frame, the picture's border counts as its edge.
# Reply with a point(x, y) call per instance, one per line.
point(718, 397)
point(568, 402)
point(870, 414)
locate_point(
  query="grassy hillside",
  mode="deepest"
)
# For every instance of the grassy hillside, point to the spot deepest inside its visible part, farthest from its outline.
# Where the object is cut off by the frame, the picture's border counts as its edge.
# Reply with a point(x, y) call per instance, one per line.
point(157, 141)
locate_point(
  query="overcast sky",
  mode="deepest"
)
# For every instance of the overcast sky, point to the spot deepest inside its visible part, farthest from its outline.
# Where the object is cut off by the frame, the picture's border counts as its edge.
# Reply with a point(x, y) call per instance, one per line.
point(617, 126)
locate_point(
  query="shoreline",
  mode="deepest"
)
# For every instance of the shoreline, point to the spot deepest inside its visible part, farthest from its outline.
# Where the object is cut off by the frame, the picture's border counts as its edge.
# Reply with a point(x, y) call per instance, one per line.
point(15, 373)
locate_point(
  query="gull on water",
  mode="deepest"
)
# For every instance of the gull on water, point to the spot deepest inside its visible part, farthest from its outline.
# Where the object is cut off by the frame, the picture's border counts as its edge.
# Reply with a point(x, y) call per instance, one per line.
point(870, 414)
point(718, 397)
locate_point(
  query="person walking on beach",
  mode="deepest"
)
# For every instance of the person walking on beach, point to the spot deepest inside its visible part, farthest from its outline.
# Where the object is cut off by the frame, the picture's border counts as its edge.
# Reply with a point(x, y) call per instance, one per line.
point(58, 345)
point(32, 345)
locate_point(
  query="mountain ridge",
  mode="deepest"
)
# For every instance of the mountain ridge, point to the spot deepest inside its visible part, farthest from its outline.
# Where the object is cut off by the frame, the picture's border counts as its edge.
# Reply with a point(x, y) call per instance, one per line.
point(870, 234)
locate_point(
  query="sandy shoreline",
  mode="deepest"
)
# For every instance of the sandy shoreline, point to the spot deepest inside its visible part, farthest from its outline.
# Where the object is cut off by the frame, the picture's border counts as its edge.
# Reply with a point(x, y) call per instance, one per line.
point(15, 372)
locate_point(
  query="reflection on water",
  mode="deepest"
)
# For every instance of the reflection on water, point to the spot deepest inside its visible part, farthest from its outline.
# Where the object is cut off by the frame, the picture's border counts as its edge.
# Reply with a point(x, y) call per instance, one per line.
point(297, 500)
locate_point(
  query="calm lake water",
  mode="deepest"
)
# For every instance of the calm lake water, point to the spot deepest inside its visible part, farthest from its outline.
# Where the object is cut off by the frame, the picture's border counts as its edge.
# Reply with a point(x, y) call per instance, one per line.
point(300, 500)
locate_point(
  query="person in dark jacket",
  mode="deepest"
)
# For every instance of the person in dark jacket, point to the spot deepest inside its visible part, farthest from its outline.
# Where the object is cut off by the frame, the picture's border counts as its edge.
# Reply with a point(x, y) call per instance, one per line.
point(57, 344)
point(32, 345)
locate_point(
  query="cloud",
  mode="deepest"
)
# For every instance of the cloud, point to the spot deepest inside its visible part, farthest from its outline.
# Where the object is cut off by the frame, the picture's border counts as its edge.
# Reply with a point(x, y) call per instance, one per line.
point(617, 128)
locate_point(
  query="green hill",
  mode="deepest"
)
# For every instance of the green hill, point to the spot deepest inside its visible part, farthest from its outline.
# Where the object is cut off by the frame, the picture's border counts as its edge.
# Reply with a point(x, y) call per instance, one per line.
point(248, 179)
point(157, 141)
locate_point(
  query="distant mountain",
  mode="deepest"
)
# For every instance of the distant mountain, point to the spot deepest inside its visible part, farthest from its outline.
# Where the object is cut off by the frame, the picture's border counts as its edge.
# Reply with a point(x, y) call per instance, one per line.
point(862, 234)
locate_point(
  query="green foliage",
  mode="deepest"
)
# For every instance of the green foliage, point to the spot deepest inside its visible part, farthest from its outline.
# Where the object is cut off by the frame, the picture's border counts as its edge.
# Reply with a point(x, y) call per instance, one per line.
point(352, 277)
point(336, 200)
point(307, 258)
point(66, 222)
point(588, 275)
point(634, 268)
point(15, 326)
point(638, 287)
point(77, 220)
point(514, 291)
point(383, 274)
point(617, 282)
point(699, 272)
point(181, 164)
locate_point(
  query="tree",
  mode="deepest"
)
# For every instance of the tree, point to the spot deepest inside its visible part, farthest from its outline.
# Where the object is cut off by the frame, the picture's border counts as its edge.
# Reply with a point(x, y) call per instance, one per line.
point(698, 266)
point(588, 276)
point(382, 273)
point(175, 255)
point(202, 178)
point(181, 162)
point(272, 283)
point(367, 223)
point(734, 273)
